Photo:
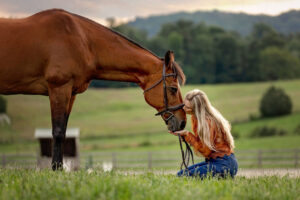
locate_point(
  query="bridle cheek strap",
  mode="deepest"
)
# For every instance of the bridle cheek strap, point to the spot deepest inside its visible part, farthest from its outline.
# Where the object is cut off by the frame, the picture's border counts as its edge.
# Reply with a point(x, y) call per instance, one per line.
point(167, 109)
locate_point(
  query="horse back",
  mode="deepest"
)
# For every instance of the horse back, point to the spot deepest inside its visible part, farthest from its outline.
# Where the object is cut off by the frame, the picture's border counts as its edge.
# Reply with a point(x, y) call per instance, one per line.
point(38, 49)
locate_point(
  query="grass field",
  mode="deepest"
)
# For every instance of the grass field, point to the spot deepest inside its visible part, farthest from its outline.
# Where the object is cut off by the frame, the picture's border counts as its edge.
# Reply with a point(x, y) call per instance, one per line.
point(124, 111)
point(120, 119)
point(30, 184)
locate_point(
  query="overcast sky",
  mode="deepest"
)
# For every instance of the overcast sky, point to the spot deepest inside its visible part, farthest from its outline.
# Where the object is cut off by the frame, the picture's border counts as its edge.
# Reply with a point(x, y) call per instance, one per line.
point(124, 10)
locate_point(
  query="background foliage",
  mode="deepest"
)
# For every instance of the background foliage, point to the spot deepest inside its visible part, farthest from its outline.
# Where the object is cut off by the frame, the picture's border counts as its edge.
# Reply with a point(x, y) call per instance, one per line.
point(211, 54)
point(275, 102)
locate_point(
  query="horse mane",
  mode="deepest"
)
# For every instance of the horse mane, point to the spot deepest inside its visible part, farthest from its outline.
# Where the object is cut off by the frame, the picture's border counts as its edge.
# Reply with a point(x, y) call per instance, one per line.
point(113, 31)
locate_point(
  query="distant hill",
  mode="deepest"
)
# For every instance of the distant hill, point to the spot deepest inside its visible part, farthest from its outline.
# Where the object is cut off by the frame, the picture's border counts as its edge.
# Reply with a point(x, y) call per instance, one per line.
point(288, 22)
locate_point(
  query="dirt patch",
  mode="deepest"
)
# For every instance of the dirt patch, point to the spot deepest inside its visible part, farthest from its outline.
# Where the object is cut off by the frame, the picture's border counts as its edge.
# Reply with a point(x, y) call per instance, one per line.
point(269, 172)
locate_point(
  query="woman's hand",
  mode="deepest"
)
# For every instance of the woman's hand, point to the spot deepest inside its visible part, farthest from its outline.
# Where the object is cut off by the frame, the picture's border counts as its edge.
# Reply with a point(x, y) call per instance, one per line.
point(181, 133)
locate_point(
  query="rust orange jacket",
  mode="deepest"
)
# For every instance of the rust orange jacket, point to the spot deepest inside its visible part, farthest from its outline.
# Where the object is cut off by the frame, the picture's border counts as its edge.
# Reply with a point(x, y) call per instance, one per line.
point(217, 138)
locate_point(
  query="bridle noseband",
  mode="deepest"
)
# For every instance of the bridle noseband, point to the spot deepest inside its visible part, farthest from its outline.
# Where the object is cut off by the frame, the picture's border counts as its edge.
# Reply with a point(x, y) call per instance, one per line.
point(167, 109)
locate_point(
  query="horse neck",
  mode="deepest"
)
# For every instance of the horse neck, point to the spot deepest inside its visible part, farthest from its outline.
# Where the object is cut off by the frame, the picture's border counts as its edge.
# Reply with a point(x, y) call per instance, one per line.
point(119, 59)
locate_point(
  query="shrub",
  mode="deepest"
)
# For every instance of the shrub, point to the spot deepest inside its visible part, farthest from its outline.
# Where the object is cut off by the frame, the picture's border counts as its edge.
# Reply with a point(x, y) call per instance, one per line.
point(266, 131)
point(2, 105)
point(275, 102)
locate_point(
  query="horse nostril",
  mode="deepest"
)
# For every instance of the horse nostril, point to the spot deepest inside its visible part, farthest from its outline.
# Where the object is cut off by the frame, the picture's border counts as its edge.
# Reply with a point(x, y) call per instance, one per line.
point(182, 125)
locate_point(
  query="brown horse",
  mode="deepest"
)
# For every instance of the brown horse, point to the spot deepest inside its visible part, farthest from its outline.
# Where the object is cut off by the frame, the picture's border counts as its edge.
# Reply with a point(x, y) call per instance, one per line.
point(57, 53)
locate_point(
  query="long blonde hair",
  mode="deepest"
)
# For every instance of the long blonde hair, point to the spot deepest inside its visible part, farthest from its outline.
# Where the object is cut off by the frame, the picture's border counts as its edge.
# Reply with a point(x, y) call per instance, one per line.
point(205, 111)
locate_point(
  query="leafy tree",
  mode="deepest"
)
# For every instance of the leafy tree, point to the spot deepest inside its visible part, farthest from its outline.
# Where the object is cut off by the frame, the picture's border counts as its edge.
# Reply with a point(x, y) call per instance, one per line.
point(175, 42)
point(293, 45)
point(261, 30)
point(202, 60)
point(278, 64)
point(211, 54)
point(264, 36)
point(227, 58)
point(158, 45)
point(136, 35)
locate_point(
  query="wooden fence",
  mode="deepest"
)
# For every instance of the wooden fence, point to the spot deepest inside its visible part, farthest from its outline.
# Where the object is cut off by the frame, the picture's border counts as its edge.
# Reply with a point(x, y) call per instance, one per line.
point(273, 158)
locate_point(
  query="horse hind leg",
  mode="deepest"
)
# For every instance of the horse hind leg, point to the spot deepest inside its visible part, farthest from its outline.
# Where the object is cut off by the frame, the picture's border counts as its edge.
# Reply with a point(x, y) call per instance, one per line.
point(60, 100)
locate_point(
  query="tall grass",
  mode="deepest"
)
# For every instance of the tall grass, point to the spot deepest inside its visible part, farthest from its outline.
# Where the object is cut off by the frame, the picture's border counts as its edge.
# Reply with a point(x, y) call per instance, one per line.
point(30, 184)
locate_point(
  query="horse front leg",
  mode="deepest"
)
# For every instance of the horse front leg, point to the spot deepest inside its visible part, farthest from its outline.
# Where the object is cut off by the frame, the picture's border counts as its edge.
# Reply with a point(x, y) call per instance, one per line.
point(71, 102)
point(60, 100)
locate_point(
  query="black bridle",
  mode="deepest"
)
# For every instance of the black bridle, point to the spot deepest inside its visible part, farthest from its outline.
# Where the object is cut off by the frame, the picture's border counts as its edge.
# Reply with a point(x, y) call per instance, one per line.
point(169, 110)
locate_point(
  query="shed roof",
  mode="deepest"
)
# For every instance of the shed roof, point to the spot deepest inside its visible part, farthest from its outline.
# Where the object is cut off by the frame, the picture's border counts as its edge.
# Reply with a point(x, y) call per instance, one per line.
point(47, 133)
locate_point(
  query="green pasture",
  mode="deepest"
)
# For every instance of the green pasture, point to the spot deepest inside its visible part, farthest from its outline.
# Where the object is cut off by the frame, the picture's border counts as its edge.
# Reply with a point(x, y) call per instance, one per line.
point(288, 123)
point(107, 112)
point(157, 143)
point(31, 184)
point(120, 119)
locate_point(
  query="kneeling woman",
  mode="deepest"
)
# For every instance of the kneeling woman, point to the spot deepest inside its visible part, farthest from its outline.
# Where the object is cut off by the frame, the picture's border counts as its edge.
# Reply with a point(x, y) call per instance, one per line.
point(211, 139)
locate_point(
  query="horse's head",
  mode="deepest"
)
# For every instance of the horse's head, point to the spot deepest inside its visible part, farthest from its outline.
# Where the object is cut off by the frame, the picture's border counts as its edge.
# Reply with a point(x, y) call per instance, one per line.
point(163, 93)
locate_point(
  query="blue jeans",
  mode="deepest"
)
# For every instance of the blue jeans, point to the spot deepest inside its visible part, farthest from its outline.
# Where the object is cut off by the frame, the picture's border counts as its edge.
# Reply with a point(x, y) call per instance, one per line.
point(219, 167)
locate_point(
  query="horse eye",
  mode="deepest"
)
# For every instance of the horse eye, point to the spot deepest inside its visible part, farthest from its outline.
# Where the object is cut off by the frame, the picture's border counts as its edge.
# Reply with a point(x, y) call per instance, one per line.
point(173, 90)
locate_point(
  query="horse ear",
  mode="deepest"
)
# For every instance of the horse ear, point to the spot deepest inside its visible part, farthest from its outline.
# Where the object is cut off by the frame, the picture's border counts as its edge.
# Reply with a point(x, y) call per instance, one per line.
point(169, 58)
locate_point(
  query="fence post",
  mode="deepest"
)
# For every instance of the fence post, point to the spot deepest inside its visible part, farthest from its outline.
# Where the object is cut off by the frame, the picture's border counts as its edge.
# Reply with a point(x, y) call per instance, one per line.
point(3, 160)
point(259, 158)
point(296, 157)
point(114, 160)
point(149, 160)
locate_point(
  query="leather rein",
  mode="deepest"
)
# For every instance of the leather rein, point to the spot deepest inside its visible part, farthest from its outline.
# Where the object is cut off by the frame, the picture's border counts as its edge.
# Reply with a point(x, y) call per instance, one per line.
point(168, 109)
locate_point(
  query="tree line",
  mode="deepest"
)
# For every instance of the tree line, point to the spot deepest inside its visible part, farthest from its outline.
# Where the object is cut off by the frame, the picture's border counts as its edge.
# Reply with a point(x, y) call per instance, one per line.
point(210, 54)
